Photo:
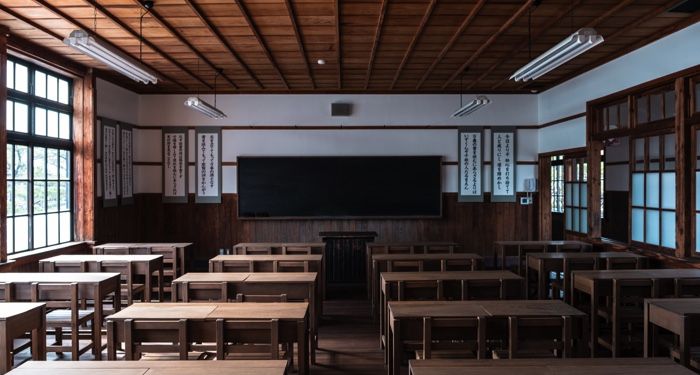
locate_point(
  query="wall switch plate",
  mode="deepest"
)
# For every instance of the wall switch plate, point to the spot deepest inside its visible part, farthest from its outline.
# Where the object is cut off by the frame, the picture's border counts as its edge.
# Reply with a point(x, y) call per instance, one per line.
point(525, 201)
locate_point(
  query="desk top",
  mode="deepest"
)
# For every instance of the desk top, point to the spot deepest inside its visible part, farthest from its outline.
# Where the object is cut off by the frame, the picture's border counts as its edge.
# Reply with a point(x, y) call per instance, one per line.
point(269, 258)
point(279, 244)
point(666, 273)
point(256, 277)
point(57, 277)
point(12, 309)
point(607, 254)
point(416, 243)
point(102, 258)
point(212, 310)
point(578, 366)
point(421, 256)
point(238, 367)
point(462, 309)
point(229, 277)
point(551, 243)
point(678, 306)
point(449, 275)
point(144, 244)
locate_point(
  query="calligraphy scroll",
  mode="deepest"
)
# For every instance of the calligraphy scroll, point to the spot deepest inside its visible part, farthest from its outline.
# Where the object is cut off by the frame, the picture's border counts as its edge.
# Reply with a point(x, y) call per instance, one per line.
point(471, 158)
point(175, 165)
point(503, 164)
point(208, 165)
point(109, 163)
point(126, 143)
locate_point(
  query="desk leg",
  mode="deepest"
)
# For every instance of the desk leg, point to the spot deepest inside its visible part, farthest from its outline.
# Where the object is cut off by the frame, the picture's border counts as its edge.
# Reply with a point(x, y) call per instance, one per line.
point(6, 357)
point(594, 319)
point(302, 346)
point(542, 275)
point(373, 287)
point(148, 284)
point(161, 296)
point(684, 343)
point(648, 341)
point(314, 322)
point(111, 341)
point(396, 348)
point(39, 339)
point(99, 316)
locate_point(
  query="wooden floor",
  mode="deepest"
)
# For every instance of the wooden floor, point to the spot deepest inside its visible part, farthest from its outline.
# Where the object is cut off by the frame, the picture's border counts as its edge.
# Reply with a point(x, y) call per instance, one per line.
point(348, 342)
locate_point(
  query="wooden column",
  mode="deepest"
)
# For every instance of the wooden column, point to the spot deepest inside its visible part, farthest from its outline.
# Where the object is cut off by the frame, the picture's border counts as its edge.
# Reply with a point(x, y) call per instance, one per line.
point(84, 156)
point(3, 143)
point(545, 197)
point(593, 147)
point(684, 174)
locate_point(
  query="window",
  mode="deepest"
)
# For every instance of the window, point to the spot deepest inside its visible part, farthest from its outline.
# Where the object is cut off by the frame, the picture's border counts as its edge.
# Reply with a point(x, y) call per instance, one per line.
point(615, 116)
point(653, 189)
point(602, 183)
point(655, 106)
point(39, 158)
point(557, 183)
point(697, 190)
point(576, 195)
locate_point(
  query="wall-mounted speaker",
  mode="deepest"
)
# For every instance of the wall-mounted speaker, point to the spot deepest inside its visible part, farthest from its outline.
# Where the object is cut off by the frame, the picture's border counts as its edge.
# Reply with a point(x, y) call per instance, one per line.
point(341, 109)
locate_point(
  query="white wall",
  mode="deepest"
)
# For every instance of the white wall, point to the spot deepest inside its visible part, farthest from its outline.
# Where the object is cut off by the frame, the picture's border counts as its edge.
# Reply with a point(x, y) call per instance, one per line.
point(116, 102)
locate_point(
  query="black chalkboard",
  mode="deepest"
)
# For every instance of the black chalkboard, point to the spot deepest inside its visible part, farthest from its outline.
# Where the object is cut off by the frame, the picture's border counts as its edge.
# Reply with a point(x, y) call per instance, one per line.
point(312, 187)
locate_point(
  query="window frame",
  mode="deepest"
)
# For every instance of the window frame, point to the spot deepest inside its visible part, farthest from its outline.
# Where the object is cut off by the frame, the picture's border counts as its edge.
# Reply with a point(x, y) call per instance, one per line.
point(576, 174)
point(31, 140)
point(556, 165)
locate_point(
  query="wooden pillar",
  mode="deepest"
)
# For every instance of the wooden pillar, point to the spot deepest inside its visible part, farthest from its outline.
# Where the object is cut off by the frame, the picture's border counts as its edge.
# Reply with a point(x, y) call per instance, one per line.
point(594, 148)
point(84, 156)
point(545, 197)
point(3, 143)
point(684, 174)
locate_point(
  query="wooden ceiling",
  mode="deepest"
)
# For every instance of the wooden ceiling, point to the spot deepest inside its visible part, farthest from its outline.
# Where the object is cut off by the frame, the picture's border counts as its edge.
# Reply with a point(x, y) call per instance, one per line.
point(368, 45)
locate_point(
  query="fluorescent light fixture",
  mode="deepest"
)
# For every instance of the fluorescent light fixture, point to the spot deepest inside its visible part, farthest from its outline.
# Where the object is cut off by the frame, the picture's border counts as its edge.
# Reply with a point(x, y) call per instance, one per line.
point(574, 45)
point(107, 54)
point(204, 107)
point(472, 106)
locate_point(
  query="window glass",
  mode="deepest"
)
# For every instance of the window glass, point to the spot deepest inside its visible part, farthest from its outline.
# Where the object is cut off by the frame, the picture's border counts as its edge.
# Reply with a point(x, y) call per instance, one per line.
point(652, 227)
point(638, 224)
point(40, 84)
point(21, 78)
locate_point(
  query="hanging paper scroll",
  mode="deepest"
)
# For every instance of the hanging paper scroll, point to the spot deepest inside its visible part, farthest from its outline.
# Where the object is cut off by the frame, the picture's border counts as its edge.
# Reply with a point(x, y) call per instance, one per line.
point(126, 143)
point(109, 163)
point(503, 164)
point(175, 165)
point(208, 165)
point(471, 184)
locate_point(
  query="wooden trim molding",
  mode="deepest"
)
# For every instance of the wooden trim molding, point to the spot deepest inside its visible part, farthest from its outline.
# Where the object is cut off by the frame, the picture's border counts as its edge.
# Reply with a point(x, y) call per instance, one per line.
point(3, 143)
point(341, 127)
point(562, 120)
point(84, 156)
point(544, 172)
point(685, 174)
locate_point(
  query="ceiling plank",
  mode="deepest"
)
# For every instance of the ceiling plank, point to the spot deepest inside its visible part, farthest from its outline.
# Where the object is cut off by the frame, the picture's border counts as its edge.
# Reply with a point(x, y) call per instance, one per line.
point(465, 23)
point(377, 37)
point(136, 35)
point(266, 50)
point(524, 42)
point(414, 40)
point(631, 26)
point(45, 55)
point(338, 46)
point(488, 42)
point(75, 22)
point(153, 13)
point(300, 43)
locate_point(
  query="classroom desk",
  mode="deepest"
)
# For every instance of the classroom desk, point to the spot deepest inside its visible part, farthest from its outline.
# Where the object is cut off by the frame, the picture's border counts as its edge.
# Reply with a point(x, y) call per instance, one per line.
point(276, 247)
point(510, 286)
point(544, 263)
point(201, 317)
point(91, 285)
point(437, 260)
point(501, 249)
point(680, 316)
point(16, 319)
point(238, 367)
point(405, 318)
point(143, 265)
point(298, 286)
point(596, 284)
point(542, 366)
point(183, 248)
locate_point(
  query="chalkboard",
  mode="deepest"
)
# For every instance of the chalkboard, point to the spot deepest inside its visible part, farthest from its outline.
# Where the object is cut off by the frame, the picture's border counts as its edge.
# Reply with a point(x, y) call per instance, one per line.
point(363, 187)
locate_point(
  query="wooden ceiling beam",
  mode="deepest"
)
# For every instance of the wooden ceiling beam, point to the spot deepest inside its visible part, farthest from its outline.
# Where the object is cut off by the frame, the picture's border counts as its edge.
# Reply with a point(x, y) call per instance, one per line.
point(75, 22)
point(45, 56)
point(414, 40)
point(643, 41)
point(488, 42)
point(148, 44)
point(377, 37)
point(338, 45)
point(525, 41)
point(261, 41)
point(222, 39)
point(153, 13)
point(300, 43)
point(462, 27)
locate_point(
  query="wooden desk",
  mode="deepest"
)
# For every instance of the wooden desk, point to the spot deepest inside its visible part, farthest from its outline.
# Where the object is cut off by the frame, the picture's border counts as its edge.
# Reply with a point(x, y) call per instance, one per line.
point(598, 284)
point(276, 247)
point(569, 366)
point(16, 319)
point(379, 265)
point(510, 286)
point(183, 248)
point(91, 285)
point(298, 286)
point(681, 316)
point(238, 367)
point(143, 265)
point(544, 263)
point(405, 318)
point(293, 322)
point(501, 249)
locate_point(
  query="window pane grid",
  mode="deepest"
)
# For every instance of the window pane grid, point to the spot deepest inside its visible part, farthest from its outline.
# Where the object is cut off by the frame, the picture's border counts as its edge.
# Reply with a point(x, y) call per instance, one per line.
point(576, 195)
